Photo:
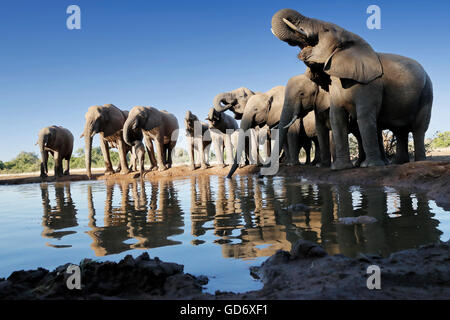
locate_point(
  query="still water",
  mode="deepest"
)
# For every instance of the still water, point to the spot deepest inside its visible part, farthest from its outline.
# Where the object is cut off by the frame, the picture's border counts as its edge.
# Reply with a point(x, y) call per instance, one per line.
point(211, 225)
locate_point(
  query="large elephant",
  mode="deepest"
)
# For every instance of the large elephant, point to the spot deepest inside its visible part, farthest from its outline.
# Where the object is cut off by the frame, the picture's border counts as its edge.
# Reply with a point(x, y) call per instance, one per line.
point(159, 125)
point(108, 121)
point(380, 91)
point(198, 138)
point(59, 142)
point(223, 131)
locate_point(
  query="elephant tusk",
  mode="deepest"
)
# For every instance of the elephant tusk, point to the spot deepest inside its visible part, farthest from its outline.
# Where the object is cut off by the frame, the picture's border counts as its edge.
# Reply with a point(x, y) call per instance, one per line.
point(293, 27)
point(291, 123)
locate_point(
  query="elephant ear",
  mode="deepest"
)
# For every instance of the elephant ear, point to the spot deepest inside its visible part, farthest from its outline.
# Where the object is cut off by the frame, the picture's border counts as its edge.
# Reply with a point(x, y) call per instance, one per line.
point(356, 61)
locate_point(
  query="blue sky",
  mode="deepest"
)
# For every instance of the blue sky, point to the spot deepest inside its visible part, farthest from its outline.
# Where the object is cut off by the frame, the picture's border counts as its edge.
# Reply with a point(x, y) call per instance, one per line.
point(178, 55)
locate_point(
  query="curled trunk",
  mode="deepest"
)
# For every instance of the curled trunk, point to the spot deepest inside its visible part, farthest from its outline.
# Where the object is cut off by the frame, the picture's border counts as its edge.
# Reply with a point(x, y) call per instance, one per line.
point(224, 101)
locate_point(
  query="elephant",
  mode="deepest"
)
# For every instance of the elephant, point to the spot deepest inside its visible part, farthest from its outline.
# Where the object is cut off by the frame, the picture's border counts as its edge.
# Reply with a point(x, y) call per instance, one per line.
point(59, 142)
point(379, 90)
point(301, 134)
point(108, 121)
point(234, 100)
point(199, 138)
point(261, 111)
point(223, 132)
point(159, 126)
point(306, 100)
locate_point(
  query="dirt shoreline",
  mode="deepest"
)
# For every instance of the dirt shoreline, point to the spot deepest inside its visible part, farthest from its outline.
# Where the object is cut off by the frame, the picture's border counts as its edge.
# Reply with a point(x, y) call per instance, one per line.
point(431, 177)
point(306, 272)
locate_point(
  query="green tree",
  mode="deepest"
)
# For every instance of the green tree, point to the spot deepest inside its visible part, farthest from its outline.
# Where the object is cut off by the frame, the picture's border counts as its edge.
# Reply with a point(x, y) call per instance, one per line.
point(441, 140)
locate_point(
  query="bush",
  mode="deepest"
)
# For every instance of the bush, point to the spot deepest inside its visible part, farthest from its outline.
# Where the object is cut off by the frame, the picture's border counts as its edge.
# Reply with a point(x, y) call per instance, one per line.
point(441, 140)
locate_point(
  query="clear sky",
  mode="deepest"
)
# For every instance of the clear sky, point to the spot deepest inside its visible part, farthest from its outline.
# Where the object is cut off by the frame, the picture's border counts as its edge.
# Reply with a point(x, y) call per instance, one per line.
point(178, 55)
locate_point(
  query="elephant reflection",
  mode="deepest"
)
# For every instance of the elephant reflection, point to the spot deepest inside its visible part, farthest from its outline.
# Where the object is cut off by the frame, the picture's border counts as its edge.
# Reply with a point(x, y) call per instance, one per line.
point(411, 228)
point(135, 223)
point(60, 217)
point(262, 231)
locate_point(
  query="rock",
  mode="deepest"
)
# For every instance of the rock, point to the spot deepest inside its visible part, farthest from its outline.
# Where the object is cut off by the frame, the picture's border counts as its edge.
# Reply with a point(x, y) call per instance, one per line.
point(306, 249)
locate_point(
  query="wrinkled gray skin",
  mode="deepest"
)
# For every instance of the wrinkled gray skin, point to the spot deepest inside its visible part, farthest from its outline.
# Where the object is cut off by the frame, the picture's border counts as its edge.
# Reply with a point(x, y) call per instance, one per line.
point(380, 91)
point(198, 138)
point(159, 126)
point(222, 129)
point(57, 141)
point(306, 100)
point(262, 110)
point(106, 120)
point(300, 135)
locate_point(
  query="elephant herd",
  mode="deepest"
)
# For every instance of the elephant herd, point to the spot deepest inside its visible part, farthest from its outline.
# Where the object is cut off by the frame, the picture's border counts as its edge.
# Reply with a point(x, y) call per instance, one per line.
point(347, 88)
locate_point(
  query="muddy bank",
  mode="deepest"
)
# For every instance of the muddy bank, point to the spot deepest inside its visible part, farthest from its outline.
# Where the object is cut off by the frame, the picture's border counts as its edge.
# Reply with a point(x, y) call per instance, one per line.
point(307, 272)
point(432, 177)
point(140, 278)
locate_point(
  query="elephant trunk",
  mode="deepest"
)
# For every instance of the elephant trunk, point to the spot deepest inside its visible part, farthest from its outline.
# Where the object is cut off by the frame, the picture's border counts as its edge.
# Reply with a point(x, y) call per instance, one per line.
point(282, 23)
point(44, 155)
point(289, 115)
point(224, 101)
point(130, 135)
point(88, 150)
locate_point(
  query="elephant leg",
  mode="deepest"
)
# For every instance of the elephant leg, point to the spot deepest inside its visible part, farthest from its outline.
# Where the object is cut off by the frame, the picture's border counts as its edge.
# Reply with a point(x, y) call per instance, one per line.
point(58, 164)
point(419, 145)
point(253, 147)
point(160, 152)
point(190, 143)
point(353, 128)
point(323, 145)
point(381, 144)
point(67, 161)
point(401, 152)
point(105, 151)
point(44, 162)
point(170, 147)
point(206, 148)
point(293, 149)
point(139, 154)
point(201, 147)
point(316, 160)
point(123, 157)
point(228, 149)
point(307, 147)
point(367, 124)
point(151, 152)
point(339, 125)
point(217, 140)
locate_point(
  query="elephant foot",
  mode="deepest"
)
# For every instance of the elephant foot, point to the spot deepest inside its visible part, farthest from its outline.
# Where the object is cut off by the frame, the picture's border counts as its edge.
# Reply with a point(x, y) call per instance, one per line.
point(323, 165)
point(109, 172)
point(162, 168)
point(44, 175)
point(341, 165)
point(66, 173)
point(399, 160)
point(314, 163)
point(372, 163)
point(204, 166)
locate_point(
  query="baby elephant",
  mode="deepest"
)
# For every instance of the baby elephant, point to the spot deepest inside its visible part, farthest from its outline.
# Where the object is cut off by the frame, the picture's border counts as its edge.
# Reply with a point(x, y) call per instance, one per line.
point(59, 142)
point(198, 138)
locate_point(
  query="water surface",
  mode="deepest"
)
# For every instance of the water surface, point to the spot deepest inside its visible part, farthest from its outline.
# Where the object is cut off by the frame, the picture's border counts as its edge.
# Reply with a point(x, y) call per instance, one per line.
point(211, 225)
